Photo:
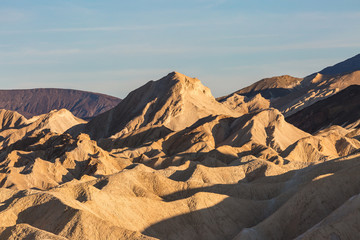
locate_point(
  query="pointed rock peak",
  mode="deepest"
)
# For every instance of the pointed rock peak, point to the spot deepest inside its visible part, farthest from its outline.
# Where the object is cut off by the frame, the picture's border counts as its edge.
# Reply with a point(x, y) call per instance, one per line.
point(317, 78)
point(243, 104)
point(175, 101)
point(176, 75)
point(57, 121)
point(83, 136)
point(11, 119)
point(179, 76)
point(283, 81)
point(282, 77)
point(182, 84)
point(61, 113)
point(258, 102)
point(257, 96)
point(237, 97)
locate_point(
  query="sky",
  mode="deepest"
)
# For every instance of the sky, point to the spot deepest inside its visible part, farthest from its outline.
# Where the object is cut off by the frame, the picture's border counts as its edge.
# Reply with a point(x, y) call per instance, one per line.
point(114, 47)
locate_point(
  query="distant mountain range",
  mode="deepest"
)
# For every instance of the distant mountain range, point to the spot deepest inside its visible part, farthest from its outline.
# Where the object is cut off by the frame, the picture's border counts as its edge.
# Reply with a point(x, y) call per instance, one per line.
point(32, 102)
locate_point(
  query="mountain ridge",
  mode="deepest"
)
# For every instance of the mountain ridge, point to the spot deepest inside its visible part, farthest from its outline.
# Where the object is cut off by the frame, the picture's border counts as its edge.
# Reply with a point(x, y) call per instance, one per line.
point(82, 104)
point(347, 66)
point(289, 94)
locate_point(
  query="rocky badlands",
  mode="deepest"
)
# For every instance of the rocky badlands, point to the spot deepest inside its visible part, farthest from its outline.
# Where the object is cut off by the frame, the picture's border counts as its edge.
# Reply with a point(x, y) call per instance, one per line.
point(279, 159)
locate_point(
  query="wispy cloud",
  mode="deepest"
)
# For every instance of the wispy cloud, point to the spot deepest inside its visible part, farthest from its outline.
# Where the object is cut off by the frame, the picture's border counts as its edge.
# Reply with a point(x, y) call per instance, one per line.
point(11, 15)
point(224, 50)
point(316, 19)
point(57, 52)
point(214, 3)
point(31, 52)
point(177, 50)
point(99, 29)
point(105, 28)
point(248, 36)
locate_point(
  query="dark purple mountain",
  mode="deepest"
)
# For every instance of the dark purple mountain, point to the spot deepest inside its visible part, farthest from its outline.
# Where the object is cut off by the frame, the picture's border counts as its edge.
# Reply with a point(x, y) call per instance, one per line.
point(32, 102)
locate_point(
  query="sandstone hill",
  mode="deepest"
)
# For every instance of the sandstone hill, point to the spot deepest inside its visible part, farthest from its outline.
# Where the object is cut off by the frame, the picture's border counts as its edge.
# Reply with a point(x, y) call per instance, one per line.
point(175, 101)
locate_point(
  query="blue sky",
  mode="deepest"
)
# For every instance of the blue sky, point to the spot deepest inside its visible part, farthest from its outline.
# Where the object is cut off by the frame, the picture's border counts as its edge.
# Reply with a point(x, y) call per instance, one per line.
point(114, 47)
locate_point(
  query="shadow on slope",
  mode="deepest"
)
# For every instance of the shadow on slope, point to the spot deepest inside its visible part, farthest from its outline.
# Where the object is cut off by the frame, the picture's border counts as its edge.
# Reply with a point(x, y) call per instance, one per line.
point(343, 108)
point(305, 196)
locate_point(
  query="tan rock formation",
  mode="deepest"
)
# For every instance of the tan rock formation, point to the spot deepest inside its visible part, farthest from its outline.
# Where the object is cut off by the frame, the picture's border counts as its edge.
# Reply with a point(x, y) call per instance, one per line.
point(171, 162)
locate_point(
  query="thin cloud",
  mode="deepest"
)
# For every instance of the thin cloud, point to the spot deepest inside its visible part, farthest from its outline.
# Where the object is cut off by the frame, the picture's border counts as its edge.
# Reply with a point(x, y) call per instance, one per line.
point(105, 28)
point(215, 3)
point(83, 29)
point(98, 29)
point(40, 52)
point(146, 50)
point(11, 15)
point(248, 36)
